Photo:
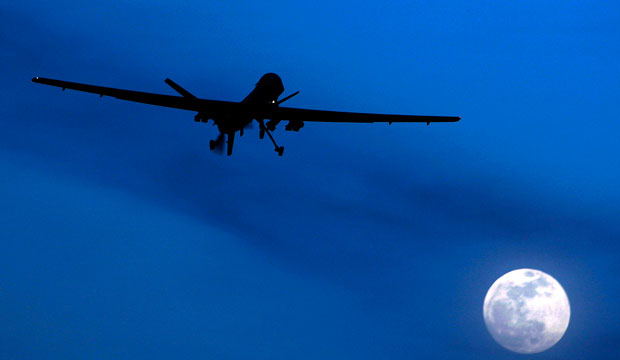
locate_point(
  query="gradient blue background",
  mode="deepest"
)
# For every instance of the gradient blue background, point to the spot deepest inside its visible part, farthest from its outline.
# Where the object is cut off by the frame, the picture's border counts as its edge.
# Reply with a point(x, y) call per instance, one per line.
point(123, 237)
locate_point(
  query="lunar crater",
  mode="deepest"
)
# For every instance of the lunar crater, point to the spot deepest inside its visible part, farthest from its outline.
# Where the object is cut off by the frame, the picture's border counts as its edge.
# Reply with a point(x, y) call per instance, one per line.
point(526, 311)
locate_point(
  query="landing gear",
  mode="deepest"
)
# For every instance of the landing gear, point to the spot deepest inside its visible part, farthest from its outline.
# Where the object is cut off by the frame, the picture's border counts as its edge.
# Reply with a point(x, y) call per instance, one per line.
point(263, 130)
point(230, 142)
point(212, 144)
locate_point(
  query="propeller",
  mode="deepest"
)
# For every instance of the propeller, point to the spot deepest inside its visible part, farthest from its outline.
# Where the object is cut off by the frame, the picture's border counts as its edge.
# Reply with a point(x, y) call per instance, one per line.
point(217, 145)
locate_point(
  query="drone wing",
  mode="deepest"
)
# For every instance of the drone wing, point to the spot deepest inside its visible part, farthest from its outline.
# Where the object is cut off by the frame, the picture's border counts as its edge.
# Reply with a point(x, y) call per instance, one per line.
point(208, 107)
point(301, 115)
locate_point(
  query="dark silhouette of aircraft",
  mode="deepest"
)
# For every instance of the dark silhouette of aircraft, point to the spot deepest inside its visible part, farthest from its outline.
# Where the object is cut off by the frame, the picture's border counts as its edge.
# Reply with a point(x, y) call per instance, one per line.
point(262, 103)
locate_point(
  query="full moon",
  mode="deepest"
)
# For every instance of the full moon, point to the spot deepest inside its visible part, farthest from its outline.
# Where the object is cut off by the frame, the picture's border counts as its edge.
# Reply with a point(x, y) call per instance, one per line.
point(526, 311)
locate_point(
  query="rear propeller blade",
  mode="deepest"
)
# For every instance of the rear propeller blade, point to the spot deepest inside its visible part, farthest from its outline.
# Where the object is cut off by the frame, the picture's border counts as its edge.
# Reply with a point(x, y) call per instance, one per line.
point(217, 145)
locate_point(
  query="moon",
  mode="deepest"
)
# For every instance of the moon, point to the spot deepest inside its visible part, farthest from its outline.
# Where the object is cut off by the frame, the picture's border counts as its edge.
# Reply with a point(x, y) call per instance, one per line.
point(526, 311)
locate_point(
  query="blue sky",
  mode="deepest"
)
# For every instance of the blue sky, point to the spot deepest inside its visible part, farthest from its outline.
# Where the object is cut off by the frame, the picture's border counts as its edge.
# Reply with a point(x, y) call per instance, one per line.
point(124, 237)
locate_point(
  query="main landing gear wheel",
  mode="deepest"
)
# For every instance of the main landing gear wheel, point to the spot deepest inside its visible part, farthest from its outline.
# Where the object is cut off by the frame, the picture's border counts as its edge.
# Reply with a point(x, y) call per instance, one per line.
point(212, 144)
point(280, 150)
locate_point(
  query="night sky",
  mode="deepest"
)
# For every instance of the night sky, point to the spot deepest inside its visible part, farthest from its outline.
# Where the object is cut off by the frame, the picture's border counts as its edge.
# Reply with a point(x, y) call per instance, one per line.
point(124, 237)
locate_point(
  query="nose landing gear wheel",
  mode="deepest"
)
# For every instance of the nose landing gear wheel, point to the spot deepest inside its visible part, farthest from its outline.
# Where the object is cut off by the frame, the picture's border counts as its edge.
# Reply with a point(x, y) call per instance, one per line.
point(280, 150)
point(212, 144)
